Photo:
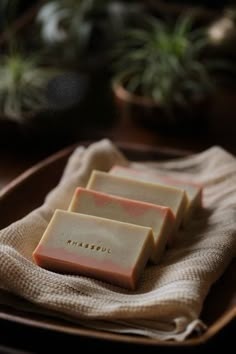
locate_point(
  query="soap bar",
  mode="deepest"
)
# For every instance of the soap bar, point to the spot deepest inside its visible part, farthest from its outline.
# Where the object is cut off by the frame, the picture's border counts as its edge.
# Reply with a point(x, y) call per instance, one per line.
point(193, 190)
point(159, 218)
point(105, 249)
point(158, 194)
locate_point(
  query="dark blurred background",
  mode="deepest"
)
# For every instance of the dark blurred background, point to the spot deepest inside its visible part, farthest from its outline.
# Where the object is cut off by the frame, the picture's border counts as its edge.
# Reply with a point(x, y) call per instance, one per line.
point(71, 71)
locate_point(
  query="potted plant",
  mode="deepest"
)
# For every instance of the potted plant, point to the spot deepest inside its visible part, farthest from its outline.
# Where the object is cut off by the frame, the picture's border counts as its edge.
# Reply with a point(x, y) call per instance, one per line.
point(34, 102)
point(22, 92)
point(22, 86)
point(38, 101)
point(161, 78)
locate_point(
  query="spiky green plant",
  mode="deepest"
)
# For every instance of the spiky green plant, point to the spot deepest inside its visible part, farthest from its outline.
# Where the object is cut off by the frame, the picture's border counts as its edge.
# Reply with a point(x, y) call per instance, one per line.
point(22, 86)
point(164, 62)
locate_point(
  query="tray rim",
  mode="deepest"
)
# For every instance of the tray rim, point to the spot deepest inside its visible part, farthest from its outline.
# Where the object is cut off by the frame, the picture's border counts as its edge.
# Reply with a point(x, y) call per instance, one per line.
point(228, 316)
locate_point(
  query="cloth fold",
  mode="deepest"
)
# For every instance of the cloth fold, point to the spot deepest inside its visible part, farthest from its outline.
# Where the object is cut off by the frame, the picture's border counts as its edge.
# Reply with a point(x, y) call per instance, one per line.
point(170, 296)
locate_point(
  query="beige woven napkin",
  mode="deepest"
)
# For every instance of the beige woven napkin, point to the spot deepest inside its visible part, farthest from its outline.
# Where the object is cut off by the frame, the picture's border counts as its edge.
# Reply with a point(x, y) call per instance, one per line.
point(169, 299)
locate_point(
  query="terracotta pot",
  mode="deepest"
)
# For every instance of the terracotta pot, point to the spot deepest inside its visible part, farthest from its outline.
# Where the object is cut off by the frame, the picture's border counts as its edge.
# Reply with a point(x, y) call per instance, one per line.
point(146, 112)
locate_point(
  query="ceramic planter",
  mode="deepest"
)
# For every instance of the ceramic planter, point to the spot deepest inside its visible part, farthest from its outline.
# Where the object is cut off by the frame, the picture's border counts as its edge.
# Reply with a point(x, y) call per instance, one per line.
point(148, 113)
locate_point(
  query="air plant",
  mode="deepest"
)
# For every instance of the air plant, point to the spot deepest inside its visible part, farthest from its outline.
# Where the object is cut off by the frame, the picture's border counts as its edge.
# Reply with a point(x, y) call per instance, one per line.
point(22, 86)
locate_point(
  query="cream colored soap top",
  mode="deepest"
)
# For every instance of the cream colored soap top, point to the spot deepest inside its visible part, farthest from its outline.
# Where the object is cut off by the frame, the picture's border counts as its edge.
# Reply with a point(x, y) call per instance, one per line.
point(193, 190)
point(158, 194)
point(104, 249)
point(159, 218)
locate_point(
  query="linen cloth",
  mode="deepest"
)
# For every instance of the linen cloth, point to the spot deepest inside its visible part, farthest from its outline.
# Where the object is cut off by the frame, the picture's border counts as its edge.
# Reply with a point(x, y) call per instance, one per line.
point(168, 301)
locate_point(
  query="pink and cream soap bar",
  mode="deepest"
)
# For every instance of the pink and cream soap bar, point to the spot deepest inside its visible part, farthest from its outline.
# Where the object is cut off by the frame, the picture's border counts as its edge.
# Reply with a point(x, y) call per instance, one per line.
point(193, 190)
point(171, 197)
point(104, 249)
point(159, 218)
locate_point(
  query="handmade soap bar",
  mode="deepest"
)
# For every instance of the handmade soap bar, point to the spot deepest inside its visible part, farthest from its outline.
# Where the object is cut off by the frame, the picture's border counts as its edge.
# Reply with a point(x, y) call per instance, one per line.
point(171, 197)
point(105, 249)
point(193, 190)
point(159, 218)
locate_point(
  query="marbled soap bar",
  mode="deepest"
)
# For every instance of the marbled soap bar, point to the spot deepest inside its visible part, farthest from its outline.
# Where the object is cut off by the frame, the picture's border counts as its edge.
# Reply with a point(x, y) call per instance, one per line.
point(105, 249)
point(159, 218)
point(193, 190)
point(158, 194)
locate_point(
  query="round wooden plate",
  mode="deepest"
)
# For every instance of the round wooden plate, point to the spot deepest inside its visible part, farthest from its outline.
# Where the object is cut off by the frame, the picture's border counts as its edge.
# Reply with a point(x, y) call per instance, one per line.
point(26, 193)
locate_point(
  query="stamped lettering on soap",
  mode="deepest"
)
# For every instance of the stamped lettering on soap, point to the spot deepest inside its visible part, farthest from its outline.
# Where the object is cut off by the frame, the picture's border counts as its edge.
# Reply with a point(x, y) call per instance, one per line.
point(90, 246)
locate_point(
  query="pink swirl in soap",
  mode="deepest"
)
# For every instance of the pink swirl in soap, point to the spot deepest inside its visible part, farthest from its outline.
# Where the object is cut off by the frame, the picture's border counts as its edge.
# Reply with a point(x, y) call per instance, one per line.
point(100, 199)
point(133, 209)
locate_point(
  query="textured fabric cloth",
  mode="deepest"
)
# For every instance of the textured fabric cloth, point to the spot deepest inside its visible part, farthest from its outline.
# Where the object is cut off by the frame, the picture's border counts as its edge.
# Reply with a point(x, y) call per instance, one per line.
point(170, 296)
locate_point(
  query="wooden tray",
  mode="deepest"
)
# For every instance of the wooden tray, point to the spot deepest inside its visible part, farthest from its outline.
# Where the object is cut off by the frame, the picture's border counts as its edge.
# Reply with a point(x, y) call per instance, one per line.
point(26, 193)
